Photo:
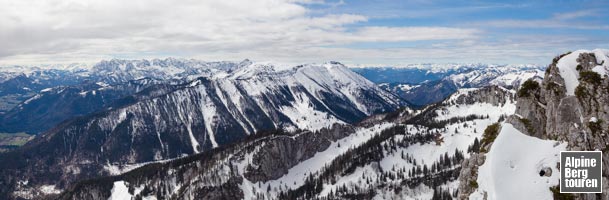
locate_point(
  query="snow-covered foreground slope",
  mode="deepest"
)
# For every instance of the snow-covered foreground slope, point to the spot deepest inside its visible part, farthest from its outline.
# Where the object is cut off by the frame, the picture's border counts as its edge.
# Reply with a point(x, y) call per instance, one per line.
point(390, 156)
point(512, 166)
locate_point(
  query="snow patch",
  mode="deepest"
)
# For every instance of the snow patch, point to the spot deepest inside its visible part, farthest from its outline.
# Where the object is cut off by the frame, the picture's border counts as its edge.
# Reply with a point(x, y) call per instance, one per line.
point(593, 119)
point(407, 87)
point(102, 84)
point(602, 58)
point(49, 189)
point(120, 191)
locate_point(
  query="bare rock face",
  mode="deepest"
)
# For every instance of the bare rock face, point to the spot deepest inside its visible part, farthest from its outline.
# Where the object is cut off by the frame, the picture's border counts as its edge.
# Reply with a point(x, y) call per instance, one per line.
point(277, 156)
point(469, 174)
point(531, 118)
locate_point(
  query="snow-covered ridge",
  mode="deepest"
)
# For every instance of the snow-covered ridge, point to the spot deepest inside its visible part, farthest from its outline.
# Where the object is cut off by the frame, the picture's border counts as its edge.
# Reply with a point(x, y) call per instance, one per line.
point(116, 70)
point(27, 69)
point(567, 66)
point(502, 76)
point(425, 86)
point(317, 79)
point(180, 65)
point(439, 67)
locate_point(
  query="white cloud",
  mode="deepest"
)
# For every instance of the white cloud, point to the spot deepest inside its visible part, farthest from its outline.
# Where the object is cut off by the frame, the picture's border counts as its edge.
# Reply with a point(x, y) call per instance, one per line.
point(388, 34)
point(549, 23)
point(34, 31)
point(575, 14)
point(563, 20)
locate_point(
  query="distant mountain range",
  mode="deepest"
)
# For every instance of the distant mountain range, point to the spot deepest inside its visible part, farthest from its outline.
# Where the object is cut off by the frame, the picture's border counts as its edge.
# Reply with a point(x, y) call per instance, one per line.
point(429, 83)
point(187, 129)
point(44, 97)
point(55, 93)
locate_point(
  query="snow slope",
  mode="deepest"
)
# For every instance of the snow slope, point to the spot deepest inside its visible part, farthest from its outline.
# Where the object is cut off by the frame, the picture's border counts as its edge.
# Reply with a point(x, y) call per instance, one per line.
point(567, 67)
point(511, 169)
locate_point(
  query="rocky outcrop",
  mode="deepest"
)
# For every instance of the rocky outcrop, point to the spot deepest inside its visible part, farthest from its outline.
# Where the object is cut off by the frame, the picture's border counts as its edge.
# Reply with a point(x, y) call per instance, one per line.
point(469, 174)
point(546, 110)
point(495, 95)
point(277, 156)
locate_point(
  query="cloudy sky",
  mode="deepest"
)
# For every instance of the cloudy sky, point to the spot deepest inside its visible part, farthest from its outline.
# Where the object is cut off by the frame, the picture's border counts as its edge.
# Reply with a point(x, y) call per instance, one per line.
point(368, 32)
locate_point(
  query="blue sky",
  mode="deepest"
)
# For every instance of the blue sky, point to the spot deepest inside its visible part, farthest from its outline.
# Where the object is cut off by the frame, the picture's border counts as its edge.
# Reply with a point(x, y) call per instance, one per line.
point(543, 28)
point(358, 32)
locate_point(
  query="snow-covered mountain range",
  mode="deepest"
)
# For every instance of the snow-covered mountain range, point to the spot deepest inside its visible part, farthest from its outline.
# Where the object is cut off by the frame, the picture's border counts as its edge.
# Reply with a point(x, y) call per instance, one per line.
point(167, 121)
point(18, 83)
point(429, 83)
point(317, 131)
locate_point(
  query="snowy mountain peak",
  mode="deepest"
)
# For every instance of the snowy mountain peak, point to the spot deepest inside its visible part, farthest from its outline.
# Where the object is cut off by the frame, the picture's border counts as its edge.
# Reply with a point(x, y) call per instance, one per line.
point(447, 67)
point(329, 73)
point(335, 71)
point(245, 62)
point(248, 70)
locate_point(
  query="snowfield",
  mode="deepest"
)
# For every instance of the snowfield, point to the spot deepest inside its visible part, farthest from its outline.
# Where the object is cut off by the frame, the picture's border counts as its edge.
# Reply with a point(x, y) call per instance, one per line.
point(511, 169)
